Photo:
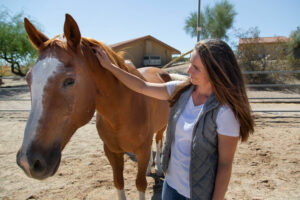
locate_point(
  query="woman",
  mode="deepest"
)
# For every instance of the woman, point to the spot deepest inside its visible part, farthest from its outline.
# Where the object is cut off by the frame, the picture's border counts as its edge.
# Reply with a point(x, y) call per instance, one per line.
point(209, 113)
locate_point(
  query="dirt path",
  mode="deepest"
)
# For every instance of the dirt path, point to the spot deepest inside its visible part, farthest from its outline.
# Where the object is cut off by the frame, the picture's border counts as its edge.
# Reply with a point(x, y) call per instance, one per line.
point(266, 167)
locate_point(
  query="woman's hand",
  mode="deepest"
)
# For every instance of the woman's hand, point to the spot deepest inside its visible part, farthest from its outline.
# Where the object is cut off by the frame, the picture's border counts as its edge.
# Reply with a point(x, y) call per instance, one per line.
point(102, 58)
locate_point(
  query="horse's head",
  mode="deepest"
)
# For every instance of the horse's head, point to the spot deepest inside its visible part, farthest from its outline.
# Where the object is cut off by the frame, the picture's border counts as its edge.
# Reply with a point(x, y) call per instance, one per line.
point(62, 98)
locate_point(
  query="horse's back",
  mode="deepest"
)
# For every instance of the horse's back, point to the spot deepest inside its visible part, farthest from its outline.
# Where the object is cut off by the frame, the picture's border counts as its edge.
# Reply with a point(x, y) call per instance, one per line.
point(150, 74)
point(154, 74)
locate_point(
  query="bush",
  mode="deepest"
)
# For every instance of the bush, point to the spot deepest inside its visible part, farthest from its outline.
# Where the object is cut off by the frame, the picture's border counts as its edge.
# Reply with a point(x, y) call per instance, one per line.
point(257, 56)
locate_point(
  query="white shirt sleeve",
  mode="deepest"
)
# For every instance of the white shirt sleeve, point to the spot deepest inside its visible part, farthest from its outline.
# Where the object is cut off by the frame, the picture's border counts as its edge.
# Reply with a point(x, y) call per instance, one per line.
point(171, 85)
point(227, 124)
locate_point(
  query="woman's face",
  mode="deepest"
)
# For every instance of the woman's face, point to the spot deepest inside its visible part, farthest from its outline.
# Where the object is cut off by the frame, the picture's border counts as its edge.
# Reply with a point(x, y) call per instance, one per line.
point(197, 70)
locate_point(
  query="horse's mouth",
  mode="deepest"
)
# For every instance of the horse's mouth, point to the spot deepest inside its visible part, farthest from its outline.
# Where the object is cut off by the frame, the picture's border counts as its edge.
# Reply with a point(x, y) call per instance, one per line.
point(41, 169)
point(56, 167)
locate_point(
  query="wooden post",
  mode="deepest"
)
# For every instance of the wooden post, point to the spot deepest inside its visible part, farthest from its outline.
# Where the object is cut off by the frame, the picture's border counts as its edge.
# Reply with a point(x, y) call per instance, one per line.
point(198, 22)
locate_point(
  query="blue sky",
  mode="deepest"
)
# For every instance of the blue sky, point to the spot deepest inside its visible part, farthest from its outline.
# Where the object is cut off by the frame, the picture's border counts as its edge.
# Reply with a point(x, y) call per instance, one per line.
point(113, 21)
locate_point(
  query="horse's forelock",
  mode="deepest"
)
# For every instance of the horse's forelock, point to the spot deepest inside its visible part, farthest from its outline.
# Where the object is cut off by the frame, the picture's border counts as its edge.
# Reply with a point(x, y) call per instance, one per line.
point(58, 40)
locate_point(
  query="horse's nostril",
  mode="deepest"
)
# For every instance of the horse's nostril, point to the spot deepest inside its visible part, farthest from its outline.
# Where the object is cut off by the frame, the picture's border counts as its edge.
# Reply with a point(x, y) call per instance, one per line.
point(38, 166)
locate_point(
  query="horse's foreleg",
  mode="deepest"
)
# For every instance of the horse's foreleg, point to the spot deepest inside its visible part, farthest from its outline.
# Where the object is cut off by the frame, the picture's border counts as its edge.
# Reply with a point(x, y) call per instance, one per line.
point(159, 142)
point(143, 156)
point(150, 164)
point(117, 163)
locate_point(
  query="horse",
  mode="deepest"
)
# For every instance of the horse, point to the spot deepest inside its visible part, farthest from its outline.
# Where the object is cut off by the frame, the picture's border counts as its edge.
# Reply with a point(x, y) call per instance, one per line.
point(67, 85)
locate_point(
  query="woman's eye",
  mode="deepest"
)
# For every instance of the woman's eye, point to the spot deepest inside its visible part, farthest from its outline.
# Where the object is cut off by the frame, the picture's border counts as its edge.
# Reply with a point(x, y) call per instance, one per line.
point(68, 82)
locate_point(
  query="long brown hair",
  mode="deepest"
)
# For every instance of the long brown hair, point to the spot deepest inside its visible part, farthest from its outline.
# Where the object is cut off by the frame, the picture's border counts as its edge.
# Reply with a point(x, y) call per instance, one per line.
point(226, 80)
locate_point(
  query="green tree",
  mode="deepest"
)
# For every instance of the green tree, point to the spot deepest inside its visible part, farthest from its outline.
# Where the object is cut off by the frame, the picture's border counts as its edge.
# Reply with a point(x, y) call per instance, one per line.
point(294, 44)
point(15, 48)
point(214, 22)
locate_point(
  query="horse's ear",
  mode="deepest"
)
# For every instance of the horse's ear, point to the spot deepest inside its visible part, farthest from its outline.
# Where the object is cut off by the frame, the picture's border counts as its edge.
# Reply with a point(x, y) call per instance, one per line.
point(35, 36)
point(71, 31)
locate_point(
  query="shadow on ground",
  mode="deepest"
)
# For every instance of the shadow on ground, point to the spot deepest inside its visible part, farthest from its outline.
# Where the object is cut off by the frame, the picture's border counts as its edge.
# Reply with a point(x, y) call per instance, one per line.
point(158, 180)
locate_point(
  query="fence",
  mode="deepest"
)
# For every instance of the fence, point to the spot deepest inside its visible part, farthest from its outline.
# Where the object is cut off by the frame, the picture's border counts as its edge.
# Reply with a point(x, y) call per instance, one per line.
point(279, 99)
point(271, 99)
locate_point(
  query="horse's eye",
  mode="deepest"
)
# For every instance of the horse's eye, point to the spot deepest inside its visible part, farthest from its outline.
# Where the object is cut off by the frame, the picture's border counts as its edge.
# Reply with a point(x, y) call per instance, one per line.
point(68, 82)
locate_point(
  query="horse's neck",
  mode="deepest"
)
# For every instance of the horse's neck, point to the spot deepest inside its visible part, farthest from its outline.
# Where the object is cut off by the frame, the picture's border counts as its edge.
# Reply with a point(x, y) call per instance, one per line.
point(111, 96)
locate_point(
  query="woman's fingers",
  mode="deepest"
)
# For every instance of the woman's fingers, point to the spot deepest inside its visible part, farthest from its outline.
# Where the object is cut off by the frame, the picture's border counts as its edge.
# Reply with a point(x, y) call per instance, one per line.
point(97, 50)
point(102, 56)
point(100, 52)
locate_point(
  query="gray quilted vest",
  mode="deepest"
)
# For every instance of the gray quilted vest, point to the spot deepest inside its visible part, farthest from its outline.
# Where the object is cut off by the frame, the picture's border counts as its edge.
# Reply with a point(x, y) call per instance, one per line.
point(204, 147)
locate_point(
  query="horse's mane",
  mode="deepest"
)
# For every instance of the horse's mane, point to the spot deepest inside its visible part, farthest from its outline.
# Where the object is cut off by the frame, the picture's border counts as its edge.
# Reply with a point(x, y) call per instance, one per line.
point(116, 58)
point(87, 45)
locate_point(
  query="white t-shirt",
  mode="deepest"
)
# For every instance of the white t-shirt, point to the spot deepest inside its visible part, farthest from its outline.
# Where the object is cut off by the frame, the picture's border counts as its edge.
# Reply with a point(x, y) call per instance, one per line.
point(178, 171)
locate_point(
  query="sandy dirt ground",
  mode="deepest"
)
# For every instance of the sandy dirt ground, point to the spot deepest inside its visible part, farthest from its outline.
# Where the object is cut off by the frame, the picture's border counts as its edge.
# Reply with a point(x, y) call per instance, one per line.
point(267, 166)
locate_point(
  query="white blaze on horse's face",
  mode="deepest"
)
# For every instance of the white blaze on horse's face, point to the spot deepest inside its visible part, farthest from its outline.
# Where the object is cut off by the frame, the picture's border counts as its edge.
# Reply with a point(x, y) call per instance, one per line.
point(58, 109)
point(41, 72)
point(60, 101)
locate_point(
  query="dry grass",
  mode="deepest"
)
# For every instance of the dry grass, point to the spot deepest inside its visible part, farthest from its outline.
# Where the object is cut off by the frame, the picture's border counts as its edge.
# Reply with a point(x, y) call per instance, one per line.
point(5, 71)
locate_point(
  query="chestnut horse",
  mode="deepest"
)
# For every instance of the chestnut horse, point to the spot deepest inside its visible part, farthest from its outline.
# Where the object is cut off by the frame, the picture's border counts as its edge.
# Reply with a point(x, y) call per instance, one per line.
point(67, 85)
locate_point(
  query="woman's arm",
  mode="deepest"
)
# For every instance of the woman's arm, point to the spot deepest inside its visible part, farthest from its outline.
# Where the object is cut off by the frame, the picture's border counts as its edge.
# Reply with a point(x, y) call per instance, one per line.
point(226, 148)
point(155, 90)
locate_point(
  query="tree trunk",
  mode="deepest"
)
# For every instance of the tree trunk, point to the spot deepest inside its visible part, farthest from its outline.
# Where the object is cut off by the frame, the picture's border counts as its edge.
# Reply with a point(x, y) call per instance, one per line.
point(17, 70)
point(14, 69)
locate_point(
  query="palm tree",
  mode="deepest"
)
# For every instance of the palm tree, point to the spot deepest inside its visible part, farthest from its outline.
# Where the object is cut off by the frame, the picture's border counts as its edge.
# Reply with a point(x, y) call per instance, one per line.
point(214, 22)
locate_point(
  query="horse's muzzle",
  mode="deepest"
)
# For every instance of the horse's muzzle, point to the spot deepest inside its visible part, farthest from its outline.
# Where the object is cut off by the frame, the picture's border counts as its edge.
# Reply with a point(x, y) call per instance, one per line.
point(38, 163)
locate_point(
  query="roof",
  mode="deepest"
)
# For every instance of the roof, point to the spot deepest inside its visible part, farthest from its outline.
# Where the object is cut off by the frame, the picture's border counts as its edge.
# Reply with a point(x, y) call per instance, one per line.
point(263, 40)
point(149, 37)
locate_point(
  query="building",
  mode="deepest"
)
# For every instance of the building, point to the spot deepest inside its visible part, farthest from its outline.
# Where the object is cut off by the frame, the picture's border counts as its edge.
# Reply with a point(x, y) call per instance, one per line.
point(270, 47)
point(136, 49)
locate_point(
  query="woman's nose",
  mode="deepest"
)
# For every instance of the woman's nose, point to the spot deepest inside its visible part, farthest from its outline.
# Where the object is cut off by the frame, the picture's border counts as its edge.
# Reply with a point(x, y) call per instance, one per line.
point(189, 71)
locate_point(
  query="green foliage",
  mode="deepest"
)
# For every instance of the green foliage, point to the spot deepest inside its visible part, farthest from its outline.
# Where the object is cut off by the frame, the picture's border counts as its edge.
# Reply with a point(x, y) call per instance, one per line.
point(294, 44)
point(294, 50)
point(191, 25)
point(182, 59)
point(214, 22)
point(15, 48)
